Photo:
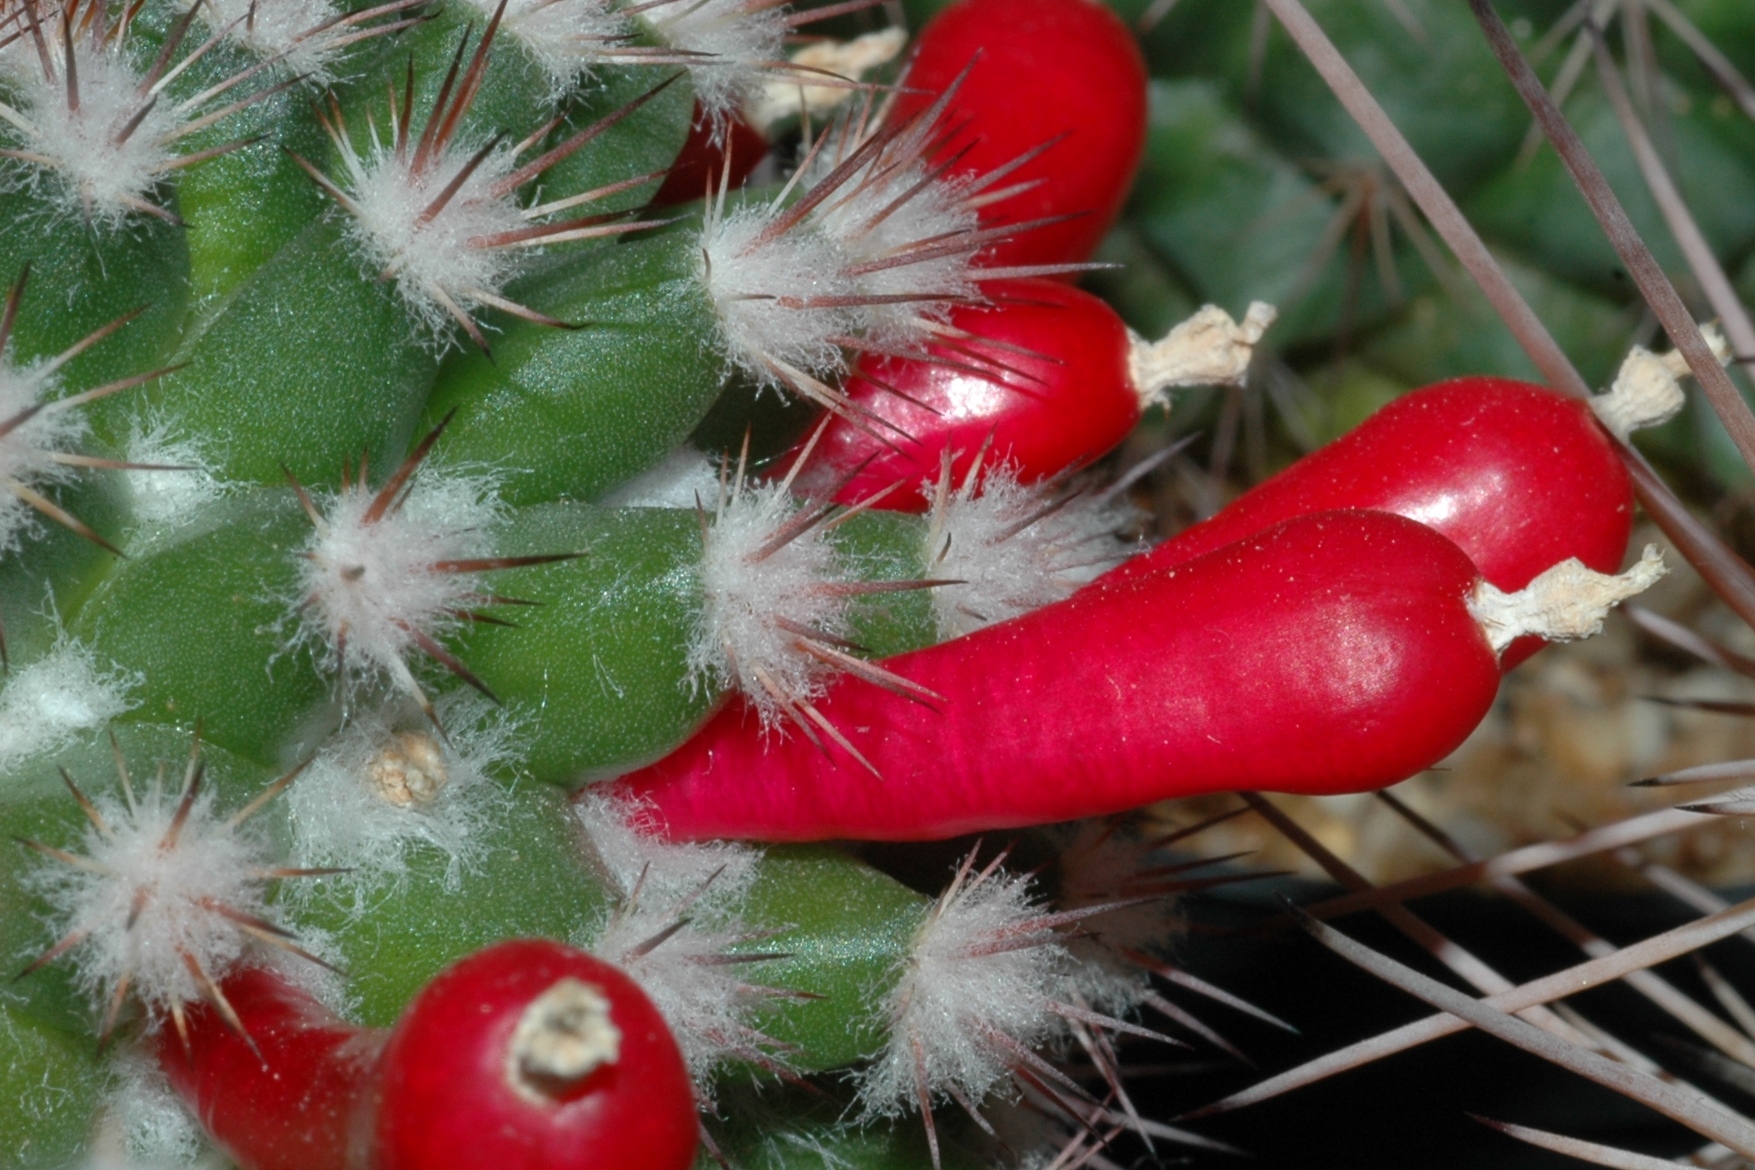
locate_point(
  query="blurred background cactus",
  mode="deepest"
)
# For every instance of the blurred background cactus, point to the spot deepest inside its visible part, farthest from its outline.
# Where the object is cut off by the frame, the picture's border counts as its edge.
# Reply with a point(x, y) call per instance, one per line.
point(384, 413)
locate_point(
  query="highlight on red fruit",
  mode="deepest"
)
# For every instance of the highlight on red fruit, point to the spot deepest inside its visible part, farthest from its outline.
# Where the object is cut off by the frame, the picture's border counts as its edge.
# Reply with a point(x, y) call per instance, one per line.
point(1043, 380)
point(1335, 652)
point(1519, 477)
point(1065, 74)
point(536, 1056)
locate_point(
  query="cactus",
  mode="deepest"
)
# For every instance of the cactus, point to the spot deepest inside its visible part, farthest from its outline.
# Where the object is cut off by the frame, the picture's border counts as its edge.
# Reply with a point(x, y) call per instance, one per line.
point(385, 469)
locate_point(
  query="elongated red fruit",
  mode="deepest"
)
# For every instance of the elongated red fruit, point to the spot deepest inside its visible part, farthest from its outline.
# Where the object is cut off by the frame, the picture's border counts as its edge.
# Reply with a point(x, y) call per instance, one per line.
point(1333, 653)
point(1044, 379)
point(1042, 70)
point(1518, 476)
point(531, 1055)
point(284, 1093)
point(1045, 375)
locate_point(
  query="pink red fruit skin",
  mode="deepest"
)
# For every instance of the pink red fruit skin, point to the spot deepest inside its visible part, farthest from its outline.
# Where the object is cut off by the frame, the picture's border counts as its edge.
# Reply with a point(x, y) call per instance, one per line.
point(1059, 397)
point(1517, 476)
point(701, 164)
point(1042, 68)
point(290, 1104)
point(445, 1101)
point(1331, 653)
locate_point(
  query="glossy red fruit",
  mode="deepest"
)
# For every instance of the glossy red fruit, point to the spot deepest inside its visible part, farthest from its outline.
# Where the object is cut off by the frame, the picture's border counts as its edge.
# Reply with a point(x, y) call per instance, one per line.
point(1333, 653)
point(1046, 378)
point(1042, 69)
point(700, 165)
point(531, 1055)
point(1517, 476)
point(283, 1094)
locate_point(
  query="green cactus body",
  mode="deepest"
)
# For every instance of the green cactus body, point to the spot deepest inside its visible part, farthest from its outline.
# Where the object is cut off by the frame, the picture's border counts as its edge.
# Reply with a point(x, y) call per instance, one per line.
point(605, 400)
point(374, 271)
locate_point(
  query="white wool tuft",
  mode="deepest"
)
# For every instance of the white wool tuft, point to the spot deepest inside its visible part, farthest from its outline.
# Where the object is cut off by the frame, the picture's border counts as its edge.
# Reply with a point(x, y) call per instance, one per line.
point(373, 585)
point(149, 904)
point(707, 1002)
point(618, 833)
point(762, 292)
point(388, 784)
point(1101, 863)
point(877, 247)
point(27, 454)
point(100, 178)
point(170, 498)
point(743, 38)
point(304, 35)
point(757, 597)
point(43, 706)
point(145, 1123)
point(1012, 550)
point(441, 263)
point(981, 979)
point(889, 219)
point(566, 38)
point(685, 478)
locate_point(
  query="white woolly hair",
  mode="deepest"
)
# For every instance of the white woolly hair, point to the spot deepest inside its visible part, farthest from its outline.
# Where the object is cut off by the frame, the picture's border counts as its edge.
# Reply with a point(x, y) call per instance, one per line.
point(1014, 548)
point(440, 261)
point(44, 705)
point(1102, 862)
point(756, 597)
point(706, 1000)
point(742, 38)
point(373, 585)
point(685, 478)
point(387, 785)
point(887, 222)
point(304, 35)
point(96, 176)
point(170, 499)
point(763, 289)
point(979, 984)
point(27, 453)
point(150, 901)
point(566, 38)
point(144, 1123)
point(628, 852)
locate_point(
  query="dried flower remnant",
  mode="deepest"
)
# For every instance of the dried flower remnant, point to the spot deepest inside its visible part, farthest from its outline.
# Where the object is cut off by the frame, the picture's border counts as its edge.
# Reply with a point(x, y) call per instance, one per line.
point(167, 897)
point(388, 783)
